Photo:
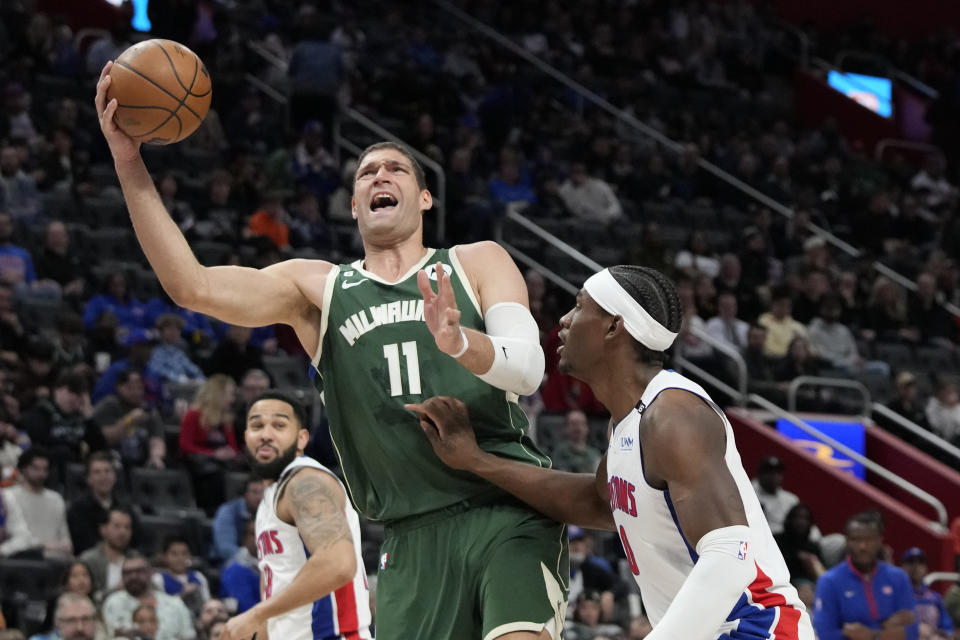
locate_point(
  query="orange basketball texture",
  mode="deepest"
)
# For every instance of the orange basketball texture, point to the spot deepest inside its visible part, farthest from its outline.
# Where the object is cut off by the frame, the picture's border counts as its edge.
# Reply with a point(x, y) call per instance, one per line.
point(162, 89)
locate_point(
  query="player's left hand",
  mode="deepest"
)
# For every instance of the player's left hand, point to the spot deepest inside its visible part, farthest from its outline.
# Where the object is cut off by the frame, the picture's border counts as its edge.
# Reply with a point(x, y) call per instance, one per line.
point(440, 311)
point(243, 626)
point(446, 423)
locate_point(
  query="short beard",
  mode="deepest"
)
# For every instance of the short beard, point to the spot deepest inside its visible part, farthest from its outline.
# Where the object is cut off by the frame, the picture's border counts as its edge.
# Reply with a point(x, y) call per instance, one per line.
point(272, 470)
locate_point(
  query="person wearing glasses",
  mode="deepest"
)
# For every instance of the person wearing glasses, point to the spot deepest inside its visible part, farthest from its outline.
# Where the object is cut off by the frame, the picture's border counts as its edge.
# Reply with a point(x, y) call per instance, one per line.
point(174, 618)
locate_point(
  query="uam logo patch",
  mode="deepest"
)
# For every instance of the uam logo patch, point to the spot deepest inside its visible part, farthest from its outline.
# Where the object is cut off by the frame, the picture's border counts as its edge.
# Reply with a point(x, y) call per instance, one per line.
point(626, 443)
point(432, 271)
point(742, 550)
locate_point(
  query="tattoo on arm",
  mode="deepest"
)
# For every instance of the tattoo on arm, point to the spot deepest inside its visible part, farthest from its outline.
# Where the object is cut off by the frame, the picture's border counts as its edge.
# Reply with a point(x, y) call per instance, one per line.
point(320, 520)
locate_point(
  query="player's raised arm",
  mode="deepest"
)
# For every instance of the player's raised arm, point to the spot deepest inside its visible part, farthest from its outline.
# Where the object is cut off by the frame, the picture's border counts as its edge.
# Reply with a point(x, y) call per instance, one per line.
point(237, 295)
point(508, 356)
point(316, 503)
point(574, 498)
point(709, 511)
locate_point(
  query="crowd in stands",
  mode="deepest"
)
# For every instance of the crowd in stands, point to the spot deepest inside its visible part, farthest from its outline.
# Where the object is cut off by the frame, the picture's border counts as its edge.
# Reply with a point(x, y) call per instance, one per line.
point(105, 381)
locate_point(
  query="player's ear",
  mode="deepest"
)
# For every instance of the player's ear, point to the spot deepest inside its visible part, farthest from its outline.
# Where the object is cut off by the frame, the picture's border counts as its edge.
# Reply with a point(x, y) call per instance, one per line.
point(426, 200)
point(303, 438)
point(614, 326)
point(353, 208)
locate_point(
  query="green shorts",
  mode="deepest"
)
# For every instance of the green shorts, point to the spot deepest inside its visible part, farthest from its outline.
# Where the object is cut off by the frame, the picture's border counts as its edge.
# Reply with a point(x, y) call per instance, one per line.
point(472, 573)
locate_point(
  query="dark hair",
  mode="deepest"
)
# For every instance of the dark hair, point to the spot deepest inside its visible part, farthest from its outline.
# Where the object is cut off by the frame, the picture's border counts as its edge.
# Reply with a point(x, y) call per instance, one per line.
point(871, 517)
point(402, 148)
point(31, 454)
point(75, 382)
point(105, 518)
point(69, 322)
point(97, 456)
point(173, 539)
point(657, 294)
point(251, 479)
point(69, 570)
point(284, 396)
point(124, 376)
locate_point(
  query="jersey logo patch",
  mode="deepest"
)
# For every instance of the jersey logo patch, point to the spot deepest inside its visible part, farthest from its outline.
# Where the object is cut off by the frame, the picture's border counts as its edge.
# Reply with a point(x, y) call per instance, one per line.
point(347, 285)
point(383, 561)
point(626, 443)
point(742, 550)
point(432, 271)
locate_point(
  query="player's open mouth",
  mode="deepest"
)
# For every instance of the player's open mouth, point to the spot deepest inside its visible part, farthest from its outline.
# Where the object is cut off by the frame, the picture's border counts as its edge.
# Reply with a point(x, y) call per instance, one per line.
point(265, 448)
point(382, 202)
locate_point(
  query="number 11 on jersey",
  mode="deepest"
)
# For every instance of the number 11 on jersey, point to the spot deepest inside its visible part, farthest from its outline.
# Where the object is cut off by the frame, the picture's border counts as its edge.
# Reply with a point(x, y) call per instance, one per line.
point(392, 353)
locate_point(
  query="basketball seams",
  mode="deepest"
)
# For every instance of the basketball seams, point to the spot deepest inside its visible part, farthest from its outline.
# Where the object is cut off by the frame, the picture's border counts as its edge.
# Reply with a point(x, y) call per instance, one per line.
point(176, 75)
point(159, 86)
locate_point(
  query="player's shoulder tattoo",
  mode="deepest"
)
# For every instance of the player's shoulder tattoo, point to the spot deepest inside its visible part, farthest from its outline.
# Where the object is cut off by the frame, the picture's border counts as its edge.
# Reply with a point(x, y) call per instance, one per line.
point(319, 518)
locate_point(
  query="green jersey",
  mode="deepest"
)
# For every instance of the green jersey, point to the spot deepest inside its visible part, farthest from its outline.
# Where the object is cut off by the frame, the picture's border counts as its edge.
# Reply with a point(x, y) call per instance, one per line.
point(377, 354)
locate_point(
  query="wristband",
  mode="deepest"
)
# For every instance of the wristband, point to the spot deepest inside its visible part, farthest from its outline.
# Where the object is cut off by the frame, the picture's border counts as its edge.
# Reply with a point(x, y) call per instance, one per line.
point(463, 349)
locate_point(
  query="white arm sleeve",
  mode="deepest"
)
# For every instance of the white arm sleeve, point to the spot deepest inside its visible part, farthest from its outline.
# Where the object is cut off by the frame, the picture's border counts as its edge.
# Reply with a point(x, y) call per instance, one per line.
point(517, 355)
point(722, 573)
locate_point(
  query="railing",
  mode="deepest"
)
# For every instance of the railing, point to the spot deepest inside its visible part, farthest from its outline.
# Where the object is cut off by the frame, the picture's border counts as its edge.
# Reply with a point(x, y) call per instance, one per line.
point(821, 381)
point(440, 197)
point(916, 429)
point(941, 576)
point(941, 523)
point(733, 354)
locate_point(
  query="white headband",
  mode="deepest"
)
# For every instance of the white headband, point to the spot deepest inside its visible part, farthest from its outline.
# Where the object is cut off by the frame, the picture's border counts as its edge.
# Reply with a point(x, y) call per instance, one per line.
point(613, 299)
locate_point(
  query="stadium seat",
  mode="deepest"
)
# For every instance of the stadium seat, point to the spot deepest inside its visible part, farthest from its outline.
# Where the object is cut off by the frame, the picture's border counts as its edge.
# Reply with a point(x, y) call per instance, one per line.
point(157, 488)
point(898, 356)
point(156, 528)
point(234, 484)
point(286, 371)
point(102, 212)
point(39, 312)
point(28, 579)
point(549, 430)
point(935, 359)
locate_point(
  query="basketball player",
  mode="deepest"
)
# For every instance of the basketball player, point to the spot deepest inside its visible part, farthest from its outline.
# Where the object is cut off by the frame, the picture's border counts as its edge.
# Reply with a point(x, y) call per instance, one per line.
point(671, 482)
point(461, 558)
point(312, 582)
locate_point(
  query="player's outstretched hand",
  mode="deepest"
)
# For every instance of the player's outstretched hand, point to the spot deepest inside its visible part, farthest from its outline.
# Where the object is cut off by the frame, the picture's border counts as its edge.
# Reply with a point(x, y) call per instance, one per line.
point(440, 311)
point(123, 147)
point(242, 627)
point(446, 423)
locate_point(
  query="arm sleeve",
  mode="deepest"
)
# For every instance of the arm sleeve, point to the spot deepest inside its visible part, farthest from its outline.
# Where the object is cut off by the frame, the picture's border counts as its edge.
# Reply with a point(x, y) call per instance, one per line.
point(518, 361)
point(63, 530)
point(190, 431)
point(18, 534)
point(826, 613)
point(719, 578)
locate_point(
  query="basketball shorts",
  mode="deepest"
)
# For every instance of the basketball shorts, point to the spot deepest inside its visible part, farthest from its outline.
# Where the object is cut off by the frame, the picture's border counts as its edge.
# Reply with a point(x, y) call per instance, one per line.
point(471, 572)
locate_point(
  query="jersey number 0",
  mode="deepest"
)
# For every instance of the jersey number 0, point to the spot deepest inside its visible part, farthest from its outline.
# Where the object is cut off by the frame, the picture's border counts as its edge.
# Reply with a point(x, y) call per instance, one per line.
point(392, 353)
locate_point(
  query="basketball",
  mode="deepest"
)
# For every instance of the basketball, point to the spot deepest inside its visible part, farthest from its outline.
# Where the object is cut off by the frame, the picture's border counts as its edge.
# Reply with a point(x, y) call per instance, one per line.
point(162, 89)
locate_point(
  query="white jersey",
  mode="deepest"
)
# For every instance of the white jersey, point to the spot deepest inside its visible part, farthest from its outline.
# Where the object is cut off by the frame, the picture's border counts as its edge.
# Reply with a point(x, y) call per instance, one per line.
point(661, 557)
point(341, 615)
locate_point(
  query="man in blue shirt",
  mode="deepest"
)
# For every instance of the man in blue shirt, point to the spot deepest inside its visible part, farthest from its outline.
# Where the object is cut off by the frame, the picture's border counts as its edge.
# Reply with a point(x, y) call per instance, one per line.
point(932, 616)
point(863, 598)
point(231, 519)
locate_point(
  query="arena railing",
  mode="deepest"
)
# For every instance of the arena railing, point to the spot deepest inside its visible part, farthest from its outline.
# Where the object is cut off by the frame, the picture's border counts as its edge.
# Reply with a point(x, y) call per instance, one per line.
point(941, 576)
point(670, 144)
point(821, 381)
point(940, 525)
point(916, 429)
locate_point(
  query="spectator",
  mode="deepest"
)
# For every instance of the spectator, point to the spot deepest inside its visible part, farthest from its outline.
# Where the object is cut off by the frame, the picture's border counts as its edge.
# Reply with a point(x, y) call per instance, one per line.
point(315, 71)
point(574, 454)
point(232, 518)
point(589, 573)
point(38, 374)
point(688, 343)
point(814, 286)
point(11, 328)
point(834, 342)
point(118, 607)
point(639, 628)
point(863, 596)
point(169, 363)
point(780, 325)
point(139, 345)
point(240, 578)
point(106, 558)
point(927, 317)
point(235, 355)
point(508, 185)
point(270, 220)
point(132, 427)
point(589, 199)
point(697, 259)
point(207, 439)
point(943, 412)
point(146, 622)
point(725, 326)
point(20, 197)
point(933, 620)
point(89, 511)
point(907, 403)
point(75, 617)
point(309, 229)
point(886, 313)
point(254, 382)
point(313, 167)
point(78, 579)
point(115, 307)
point(585, 623)
point(798, 545)
point(932, 183)
point(178, 579)
point(16, 264)
point(10, 449)
point(57, 262)
point(36, 517)
point(213, 611)
point(70, 343)
point(63, 423)
point(775, 500)
point(951, 601)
